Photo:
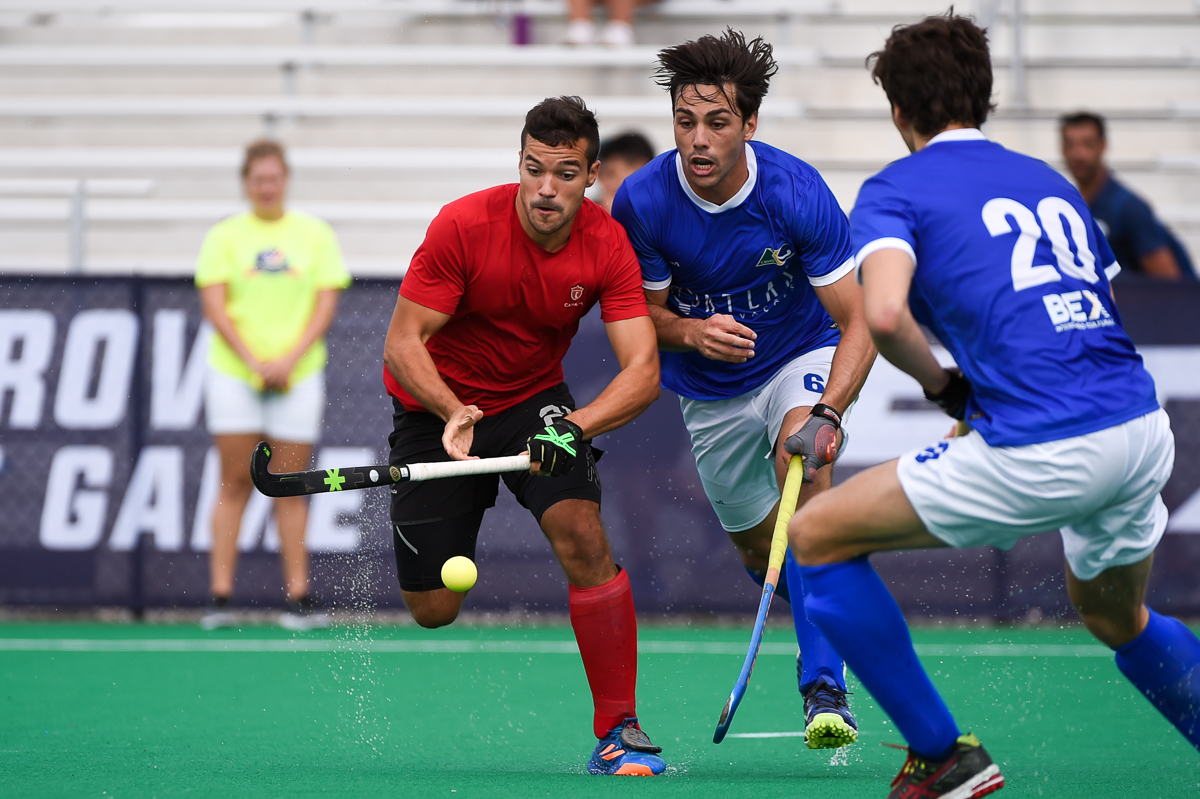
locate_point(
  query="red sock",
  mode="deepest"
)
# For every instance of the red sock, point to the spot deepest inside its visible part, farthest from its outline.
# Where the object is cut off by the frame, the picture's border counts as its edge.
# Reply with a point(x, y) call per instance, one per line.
point(606, 631)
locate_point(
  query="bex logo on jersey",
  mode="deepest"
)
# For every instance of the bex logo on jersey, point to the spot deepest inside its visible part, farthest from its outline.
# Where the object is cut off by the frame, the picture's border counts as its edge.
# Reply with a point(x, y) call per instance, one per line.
point(1067, 312)
point(775, 257)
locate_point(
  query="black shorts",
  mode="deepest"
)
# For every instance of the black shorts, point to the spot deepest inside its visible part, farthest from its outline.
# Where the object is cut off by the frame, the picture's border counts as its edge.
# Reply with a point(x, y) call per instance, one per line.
point(435, 520)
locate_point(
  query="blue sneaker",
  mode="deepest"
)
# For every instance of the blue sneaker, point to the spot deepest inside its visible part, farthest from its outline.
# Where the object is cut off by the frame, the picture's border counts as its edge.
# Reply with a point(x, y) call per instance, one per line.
point(626, 751)
point(828, 723)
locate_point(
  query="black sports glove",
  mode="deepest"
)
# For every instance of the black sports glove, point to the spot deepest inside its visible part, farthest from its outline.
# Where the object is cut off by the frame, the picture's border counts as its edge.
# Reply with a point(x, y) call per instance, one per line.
point(816, 442)
point(556, 447)
point(953, 398)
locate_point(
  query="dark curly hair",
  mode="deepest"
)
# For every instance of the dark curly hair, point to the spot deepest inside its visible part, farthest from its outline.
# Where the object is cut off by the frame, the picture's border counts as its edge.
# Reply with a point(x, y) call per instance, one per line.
point(710, 61)
point(937, 71)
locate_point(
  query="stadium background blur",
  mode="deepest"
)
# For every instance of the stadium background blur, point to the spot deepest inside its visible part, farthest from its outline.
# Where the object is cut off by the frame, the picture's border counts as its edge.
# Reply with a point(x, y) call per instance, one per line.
point(121, 128)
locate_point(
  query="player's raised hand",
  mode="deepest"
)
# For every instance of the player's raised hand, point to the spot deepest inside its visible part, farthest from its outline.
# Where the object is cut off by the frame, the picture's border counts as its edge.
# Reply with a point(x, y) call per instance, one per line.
point(720, 337)
point(553, 451)
point(460, 432)
point(816, 442)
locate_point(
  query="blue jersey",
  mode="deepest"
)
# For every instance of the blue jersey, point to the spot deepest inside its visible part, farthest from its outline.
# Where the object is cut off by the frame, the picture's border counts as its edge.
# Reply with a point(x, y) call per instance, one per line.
point(756, 258)
point(1133, 230)
point(1010, 277)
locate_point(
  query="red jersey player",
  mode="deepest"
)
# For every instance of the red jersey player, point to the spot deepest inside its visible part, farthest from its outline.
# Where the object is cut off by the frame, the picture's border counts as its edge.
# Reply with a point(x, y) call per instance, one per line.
point(473, 363)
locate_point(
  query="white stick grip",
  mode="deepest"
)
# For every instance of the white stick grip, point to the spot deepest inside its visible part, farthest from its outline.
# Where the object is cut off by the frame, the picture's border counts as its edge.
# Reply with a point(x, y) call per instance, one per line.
point(419, 472)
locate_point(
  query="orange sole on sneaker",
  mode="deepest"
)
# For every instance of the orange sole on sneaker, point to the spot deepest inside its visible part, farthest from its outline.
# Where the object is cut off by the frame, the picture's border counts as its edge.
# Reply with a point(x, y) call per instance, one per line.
point(634, 770)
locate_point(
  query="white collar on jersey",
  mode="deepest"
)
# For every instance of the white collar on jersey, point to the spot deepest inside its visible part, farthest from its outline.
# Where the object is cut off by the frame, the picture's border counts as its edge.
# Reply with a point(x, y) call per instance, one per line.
point(732, 202)
point(958, 134)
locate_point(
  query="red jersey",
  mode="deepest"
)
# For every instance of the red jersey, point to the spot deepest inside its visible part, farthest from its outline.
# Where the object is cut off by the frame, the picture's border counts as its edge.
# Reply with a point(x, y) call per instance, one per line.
point(514, 307)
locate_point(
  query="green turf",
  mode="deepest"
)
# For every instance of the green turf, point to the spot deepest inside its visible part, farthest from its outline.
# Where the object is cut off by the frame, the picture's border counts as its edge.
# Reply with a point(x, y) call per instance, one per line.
point(354, 716)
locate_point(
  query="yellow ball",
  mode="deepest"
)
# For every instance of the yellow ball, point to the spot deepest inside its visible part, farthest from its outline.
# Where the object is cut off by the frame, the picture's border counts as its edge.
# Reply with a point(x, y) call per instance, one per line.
point(459, 573)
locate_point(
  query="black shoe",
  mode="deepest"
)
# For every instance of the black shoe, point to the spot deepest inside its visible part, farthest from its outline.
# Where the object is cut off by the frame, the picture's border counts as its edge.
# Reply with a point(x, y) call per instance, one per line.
point(968, 773)
point(303, 614)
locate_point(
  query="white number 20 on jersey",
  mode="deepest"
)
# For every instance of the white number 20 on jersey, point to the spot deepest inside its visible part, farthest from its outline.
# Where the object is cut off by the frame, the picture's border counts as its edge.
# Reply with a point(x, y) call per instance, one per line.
point(1052, 211)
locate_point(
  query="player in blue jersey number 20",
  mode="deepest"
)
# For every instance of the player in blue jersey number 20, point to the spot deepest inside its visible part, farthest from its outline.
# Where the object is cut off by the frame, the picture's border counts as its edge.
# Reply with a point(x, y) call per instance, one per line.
point(746, 263)
point(998, 255)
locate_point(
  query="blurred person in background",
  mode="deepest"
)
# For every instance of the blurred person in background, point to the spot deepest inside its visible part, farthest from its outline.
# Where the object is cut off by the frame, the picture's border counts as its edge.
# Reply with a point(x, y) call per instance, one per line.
point(1142, 243)
point(617, 32)
point(620, 157)
point(269, 281)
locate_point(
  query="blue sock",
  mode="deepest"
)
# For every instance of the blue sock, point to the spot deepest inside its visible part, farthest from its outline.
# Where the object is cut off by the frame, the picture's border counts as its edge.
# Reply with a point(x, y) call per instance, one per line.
point(1164, 664)
point(857, 613)
point(817, 656)
point(818, 659)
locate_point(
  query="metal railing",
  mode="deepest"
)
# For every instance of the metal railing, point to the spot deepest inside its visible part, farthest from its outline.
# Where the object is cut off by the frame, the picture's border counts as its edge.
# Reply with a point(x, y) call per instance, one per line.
point(77, 191)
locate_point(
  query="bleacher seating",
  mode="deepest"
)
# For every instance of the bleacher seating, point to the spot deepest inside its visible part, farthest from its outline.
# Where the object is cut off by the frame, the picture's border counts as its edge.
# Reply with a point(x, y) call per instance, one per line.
point(393, 107)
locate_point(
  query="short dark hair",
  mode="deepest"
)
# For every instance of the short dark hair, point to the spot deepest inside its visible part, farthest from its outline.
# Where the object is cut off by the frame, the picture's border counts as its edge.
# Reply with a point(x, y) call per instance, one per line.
point(262, 148)
point(710, 61)
point(937, 71)
point(559, 121)
point(633, 147)
point(1084, 118)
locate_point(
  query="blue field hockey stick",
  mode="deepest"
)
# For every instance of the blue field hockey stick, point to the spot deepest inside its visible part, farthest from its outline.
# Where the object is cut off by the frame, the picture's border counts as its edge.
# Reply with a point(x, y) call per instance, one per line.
point(779, 543)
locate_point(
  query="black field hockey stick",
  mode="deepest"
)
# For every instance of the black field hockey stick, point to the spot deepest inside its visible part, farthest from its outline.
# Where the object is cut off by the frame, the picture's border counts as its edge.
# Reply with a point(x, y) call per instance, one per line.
point(321, 481)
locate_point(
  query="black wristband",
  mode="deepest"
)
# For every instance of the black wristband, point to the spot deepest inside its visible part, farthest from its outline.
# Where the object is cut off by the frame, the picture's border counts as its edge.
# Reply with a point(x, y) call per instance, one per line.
point(827, 412)
point(953, 398)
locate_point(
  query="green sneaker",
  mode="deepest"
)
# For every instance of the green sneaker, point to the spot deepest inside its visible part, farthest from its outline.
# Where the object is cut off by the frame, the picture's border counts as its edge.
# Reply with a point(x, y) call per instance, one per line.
point(828, 722)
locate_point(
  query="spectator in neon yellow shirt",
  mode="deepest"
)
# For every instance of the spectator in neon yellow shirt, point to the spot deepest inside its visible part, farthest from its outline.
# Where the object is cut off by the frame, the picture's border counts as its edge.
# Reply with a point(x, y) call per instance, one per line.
point(269, 281)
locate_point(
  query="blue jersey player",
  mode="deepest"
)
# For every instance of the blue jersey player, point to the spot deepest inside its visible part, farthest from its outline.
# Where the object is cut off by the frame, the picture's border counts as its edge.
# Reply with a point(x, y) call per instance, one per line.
point(999, 257)
point(746, 263)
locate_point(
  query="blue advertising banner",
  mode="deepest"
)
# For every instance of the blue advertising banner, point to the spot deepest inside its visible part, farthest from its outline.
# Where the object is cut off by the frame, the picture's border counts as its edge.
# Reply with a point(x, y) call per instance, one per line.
point(107, 476)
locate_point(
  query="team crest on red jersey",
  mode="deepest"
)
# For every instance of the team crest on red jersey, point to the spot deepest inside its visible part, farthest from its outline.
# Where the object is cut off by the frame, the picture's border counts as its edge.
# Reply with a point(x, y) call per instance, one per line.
point(576, 293)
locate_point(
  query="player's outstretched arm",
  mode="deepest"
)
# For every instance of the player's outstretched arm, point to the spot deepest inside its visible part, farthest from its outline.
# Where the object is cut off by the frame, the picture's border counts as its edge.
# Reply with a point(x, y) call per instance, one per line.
point(408, 360)
point(634, 387)
point(855, 353)
point(887, 276)
point(720, 337)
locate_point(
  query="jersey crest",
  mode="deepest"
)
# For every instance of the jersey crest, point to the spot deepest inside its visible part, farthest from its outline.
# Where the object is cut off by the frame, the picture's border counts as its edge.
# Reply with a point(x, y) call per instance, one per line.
point(777, 257)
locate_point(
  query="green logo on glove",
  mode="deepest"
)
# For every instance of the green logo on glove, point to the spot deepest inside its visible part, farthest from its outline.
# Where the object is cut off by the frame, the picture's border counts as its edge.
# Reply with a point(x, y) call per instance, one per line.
point(564, 441)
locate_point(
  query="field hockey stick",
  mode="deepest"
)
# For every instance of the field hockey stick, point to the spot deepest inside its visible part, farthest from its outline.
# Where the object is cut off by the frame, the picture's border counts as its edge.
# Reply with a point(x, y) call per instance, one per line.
point(779, 543)
point(320, 481)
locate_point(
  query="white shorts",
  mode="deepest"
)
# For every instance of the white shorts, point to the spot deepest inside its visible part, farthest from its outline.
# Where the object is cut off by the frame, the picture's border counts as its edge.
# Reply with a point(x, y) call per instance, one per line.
point(1101, 491)
point(733, 440)
point(232, 407)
